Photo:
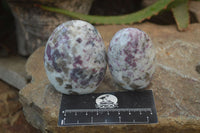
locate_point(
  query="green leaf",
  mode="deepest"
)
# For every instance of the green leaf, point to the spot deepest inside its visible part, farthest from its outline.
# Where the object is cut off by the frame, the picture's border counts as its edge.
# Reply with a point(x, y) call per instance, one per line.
point(181, 14)
point(122, 19)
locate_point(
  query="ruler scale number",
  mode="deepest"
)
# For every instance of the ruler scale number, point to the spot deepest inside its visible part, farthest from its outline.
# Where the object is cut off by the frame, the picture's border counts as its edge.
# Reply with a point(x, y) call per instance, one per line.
point(105, 114)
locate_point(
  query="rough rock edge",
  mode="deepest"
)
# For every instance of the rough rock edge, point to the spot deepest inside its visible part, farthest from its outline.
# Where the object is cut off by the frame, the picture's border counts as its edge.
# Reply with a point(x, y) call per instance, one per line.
point(12, 71)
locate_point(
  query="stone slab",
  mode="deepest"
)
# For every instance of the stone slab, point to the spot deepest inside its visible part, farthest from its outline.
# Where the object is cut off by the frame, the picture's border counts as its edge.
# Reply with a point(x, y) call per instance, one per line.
point(194, 7)
point(12, 71)
point(34, 25)
point(146, 3)
point(12, 119)
point(176, 85)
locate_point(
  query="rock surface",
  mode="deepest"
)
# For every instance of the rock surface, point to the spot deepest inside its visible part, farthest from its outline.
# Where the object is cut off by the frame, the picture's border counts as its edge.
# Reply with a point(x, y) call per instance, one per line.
point(34, 25)
point(194, 8)
point(176, 85)
point(12, 119)
point(146, 3)
point(12, 71)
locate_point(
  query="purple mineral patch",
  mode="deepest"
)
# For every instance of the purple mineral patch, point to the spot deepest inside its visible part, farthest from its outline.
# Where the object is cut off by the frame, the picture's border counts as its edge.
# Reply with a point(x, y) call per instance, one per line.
point(56, 56)
point(77, 61)
point(48, 51)
point(100, 76)
point(79, 40)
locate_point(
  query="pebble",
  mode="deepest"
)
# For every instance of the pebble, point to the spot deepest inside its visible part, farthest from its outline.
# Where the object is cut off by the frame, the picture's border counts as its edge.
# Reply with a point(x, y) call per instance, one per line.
point(131, 58)
point(75, 58)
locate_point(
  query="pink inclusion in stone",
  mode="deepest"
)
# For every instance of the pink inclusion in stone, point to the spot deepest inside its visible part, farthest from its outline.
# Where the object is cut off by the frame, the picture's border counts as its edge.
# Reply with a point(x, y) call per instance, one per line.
point(77, 61)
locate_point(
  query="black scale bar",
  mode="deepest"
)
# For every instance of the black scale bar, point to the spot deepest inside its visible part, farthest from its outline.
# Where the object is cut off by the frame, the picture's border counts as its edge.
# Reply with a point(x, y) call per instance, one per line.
point(132, 108)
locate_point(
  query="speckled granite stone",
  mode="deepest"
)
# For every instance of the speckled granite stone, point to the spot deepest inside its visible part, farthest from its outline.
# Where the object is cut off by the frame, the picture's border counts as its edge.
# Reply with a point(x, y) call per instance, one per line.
point(75, 58)
point(131, 58)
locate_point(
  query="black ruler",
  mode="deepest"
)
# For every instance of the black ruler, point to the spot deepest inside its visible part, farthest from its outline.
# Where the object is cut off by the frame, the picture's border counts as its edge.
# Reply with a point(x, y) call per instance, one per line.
point(108, 108)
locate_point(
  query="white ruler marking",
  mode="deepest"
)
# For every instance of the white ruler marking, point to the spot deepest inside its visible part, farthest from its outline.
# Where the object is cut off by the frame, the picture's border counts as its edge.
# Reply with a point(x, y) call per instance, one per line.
point(110, 110)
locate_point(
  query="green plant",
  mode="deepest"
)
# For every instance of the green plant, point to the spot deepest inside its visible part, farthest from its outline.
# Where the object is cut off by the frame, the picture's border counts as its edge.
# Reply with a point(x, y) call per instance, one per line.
point(179, 9)
point(180, 12)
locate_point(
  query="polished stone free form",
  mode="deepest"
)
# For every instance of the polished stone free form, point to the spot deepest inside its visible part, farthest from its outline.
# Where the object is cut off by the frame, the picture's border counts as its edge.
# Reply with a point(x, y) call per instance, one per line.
point(75, 58)
point(131, 58)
